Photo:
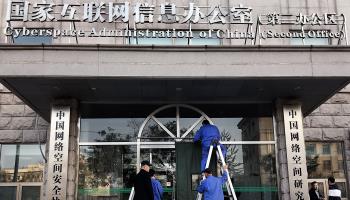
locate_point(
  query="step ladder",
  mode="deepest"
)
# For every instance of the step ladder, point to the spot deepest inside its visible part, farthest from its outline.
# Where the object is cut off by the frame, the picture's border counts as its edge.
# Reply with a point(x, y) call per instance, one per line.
point(132, 193)
point(229, 186)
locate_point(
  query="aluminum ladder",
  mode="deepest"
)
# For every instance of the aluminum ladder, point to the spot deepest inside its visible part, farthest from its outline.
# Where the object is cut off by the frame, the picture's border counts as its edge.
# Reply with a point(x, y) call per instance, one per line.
point(132, 193)
point(229, 186)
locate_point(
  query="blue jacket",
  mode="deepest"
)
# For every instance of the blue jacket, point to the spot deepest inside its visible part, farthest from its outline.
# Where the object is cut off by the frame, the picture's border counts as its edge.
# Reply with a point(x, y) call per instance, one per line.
point(212, 187)
point(157, 189)
point(207, 133)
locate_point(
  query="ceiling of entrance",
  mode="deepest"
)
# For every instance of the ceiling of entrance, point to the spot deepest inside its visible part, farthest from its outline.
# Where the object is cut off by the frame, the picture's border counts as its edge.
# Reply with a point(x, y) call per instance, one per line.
point(239, 95)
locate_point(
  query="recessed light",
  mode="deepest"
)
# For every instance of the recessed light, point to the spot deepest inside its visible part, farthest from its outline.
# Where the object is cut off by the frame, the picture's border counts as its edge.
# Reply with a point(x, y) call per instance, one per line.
point(297, 88)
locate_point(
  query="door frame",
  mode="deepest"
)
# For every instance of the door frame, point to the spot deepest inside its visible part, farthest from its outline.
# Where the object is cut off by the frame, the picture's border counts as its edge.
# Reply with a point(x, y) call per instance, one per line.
point(161, 146)
point(325, 185)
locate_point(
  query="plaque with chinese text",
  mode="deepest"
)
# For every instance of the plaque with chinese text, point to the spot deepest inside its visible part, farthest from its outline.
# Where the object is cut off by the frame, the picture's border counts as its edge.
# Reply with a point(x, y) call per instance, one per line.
point(295, 147)
point(58, 154)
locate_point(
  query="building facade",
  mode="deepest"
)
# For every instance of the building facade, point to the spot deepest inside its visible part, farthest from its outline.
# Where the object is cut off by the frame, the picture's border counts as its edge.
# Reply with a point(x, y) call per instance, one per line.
point(90, 89)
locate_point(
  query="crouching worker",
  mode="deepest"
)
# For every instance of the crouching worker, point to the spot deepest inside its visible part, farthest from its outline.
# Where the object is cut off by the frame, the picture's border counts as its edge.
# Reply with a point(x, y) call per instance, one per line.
point(211, 187)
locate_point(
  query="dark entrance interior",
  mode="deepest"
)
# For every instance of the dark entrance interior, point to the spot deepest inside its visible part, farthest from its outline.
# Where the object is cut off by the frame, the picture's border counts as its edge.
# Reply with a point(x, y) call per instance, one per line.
point(188, 174)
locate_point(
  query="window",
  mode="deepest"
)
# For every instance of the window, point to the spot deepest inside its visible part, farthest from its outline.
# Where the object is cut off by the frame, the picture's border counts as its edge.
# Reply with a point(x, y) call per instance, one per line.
point(109, 149)
point(339, 149)
point(327, 161)
point(106, 171)
point(33, 40)
point(30, 39)
point(195, 40)
point(311, 149)
point(327, 165)
point(309, 41)
point(326, 149)
point(30, 192)
point(21, 163)
point(151, 41)
point(21, 171)
point(340, 165)
point(8, 192)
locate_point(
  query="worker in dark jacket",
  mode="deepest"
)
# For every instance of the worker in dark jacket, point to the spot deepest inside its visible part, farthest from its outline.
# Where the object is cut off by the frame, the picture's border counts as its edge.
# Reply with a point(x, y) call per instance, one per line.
point(208, 134)
point(314, 193)
point(211, 187)
point(333, 191)
point(142, 183)
point(157, 187)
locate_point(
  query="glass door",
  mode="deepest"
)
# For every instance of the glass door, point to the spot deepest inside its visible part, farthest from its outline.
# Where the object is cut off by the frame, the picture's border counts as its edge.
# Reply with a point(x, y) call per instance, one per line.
point(163, 162)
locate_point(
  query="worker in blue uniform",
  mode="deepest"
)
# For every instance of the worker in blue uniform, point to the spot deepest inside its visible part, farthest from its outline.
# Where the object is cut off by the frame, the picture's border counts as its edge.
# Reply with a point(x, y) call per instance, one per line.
point(211, 187)
point(208, 134)
point(157, 187)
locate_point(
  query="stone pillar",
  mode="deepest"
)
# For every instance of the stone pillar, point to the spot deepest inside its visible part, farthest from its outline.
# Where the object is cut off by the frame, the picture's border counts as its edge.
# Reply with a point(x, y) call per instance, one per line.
point(72, 150)
point(73, 157)
point(283, 181)
point(291, 151)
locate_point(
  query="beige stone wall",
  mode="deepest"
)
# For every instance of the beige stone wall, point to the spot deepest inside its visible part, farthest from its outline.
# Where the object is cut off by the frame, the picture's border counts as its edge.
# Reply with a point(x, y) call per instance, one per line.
point(331, 123)
point(18, 122)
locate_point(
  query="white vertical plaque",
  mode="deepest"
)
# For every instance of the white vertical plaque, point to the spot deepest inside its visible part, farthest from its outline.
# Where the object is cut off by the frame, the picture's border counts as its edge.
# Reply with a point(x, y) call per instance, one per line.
point(295, 147)
point(58, 154)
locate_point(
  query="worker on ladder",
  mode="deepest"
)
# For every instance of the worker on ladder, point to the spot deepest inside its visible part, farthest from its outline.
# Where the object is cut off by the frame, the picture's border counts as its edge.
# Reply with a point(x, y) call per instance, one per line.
point(211, 187)
point(208, 134)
